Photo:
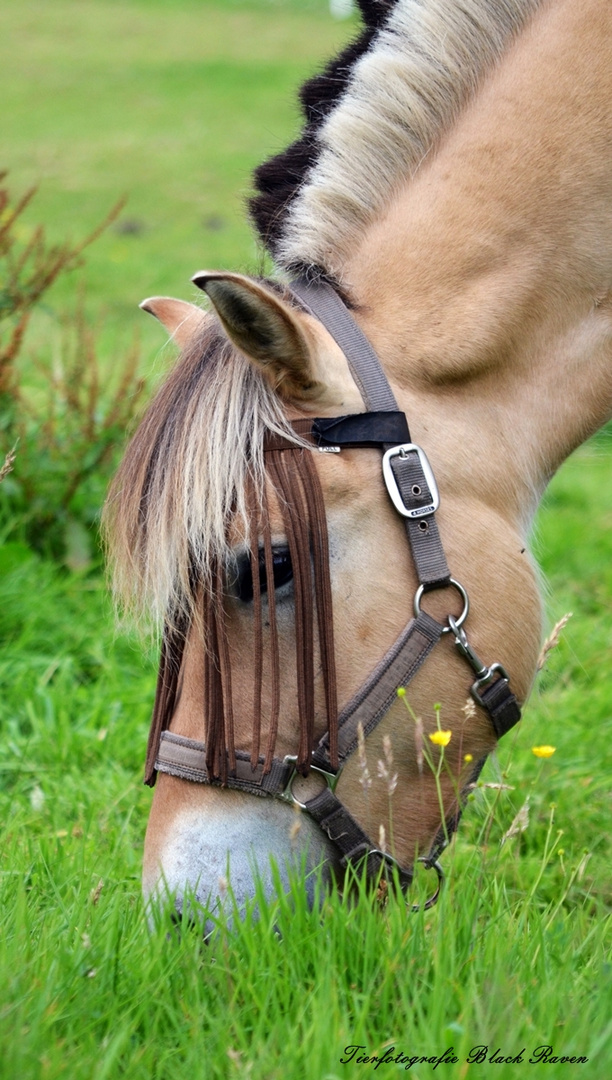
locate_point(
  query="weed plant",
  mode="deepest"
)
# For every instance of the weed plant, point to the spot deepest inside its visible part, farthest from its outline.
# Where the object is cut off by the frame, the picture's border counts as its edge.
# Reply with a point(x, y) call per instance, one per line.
point(28, 269)
point(65, 414)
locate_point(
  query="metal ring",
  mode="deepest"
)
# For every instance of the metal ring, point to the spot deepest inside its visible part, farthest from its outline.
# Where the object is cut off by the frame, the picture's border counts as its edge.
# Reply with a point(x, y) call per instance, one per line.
point(435, 865)
point(460, 619)
point(287, 794)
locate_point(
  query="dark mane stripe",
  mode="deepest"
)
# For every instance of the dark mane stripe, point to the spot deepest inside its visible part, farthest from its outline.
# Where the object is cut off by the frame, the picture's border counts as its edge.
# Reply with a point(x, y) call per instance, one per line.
point(278, 180)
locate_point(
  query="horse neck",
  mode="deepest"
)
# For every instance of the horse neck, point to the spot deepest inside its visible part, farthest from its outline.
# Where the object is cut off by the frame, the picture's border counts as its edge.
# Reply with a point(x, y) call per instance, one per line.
point(486, 285)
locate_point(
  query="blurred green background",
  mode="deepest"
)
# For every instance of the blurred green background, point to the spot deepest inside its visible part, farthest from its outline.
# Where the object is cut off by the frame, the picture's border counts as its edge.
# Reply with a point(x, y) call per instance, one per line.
point(170, 103)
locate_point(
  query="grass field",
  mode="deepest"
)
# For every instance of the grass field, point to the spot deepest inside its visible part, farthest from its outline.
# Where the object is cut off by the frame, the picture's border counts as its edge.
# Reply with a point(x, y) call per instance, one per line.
point(172, 102)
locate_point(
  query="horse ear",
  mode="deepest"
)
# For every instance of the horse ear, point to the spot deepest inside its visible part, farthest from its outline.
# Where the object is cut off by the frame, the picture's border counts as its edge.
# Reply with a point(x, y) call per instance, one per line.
point(182, 320)
point(267, 330)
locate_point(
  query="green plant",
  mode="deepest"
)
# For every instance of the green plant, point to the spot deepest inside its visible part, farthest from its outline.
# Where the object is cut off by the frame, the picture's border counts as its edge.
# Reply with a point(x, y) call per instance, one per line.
point(7, 465)
point(62, 410)
point(28, 269)
point(70, 429)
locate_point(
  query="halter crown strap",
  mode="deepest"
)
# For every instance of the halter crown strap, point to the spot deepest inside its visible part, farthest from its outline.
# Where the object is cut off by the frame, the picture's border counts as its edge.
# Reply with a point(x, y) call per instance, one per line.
point(329, 309)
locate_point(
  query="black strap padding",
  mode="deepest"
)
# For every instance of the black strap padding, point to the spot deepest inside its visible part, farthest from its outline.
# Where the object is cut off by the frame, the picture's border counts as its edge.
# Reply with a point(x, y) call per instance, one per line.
point(361, 429)
point(502, 706)
point(349, 838)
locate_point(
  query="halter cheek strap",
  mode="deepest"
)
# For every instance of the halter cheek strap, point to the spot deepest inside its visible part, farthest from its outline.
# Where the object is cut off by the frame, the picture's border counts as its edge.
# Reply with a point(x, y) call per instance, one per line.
point(412, 488)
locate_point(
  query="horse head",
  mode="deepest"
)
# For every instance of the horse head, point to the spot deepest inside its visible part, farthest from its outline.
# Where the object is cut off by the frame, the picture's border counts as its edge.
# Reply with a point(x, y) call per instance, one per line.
point(300, 585)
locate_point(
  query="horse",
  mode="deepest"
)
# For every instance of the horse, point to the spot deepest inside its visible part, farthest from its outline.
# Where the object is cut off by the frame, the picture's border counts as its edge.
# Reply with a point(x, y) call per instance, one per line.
point(450, 202)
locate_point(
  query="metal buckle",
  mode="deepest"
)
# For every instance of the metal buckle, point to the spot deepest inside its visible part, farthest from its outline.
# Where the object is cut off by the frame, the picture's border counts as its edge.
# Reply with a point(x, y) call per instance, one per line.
point(453, 624)
point(392, 485)
point(331, 779)
point(484, 674)
point(389, 860)
point(495, 669)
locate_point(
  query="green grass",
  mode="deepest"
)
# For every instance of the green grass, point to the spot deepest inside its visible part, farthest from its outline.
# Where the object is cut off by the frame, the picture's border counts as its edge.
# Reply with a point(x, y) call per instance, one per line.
point(516, 954)
point(172, 103)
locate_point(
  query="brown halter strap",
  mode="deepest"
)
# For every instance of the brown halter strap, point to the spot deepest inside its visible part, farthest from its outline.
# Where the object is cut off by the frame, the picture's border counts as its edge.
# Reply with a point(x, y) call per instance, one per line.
point(413, 491)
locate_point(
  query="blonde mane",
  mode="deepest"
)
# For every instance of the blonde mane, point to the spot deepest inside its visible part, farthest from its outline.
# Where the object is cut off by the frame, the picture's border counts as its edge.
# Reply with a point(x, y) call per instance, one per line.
point(404, 91)
point(185, 474)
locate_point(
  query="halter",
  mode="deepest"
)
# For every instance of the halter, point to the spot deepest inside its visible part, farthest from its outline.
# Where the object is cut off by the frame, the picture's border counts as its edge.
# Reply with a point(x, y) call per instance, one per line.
point(411, 485)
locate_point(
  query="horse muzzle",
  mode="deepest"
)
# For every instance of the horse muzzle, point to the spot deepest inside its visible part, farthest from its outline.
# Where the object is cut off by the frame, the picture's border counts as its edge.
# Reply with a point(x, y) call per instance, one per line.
point(212, 855)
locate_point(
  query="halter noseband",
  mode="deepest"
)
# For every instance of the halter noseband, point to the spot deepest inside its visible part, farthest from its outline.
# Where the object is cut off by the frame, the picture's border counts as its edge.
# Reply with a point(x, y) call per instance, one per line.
point(412, 488)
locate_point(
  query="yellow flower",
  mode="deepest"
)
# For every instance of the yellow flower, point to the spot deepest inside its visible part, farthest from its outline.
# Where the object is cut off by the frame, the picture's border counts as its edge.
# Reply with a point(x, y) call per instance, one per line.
point(468, 757)
point(543, 751)
point(441, 738)
point(401, 691)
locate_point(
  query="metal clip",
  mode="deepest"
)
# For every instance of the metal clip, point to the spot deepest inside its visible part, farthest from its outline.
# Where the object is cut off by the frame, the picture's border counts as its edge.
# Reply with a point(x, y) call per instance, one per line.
point(392, 485)
point(390, 865)
point(430, 864)
point(484, 674)
point(287, 795)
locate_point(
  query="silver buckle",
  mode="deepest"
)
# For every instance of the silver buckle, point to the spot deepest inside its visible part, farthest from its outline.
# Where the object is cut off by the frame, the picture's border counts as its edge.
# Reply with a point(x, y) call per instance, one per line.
point(287, 795)
point(393, 489)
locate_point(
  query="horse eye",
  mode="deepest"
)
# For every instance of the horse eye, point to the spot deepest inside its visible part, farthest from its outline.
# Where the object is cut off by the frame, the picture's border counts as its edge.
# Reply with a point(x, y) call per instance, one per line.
point(282, 568)
point(241, 583)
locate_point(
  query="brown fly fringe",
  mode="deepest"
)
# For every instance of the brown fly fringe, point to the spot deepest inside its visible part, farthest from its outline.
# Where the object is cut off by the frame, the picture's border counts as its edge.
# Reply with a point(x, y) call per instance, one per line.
point(274, 654)
point(212, 690)
point(218, 708)
point(293, 473)
point(172, 649)
point(274, 648)
point(325, 622)
point(227, 704)
point(253, 511)
point(259, 520)
point(295, 479)
point(286, 477)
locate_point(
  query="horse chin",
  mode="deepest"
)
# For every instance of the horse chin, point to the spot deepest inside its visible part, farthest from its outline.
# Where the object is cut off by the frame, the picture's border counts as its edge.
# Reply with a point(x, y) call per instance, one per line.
point(213, 862)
